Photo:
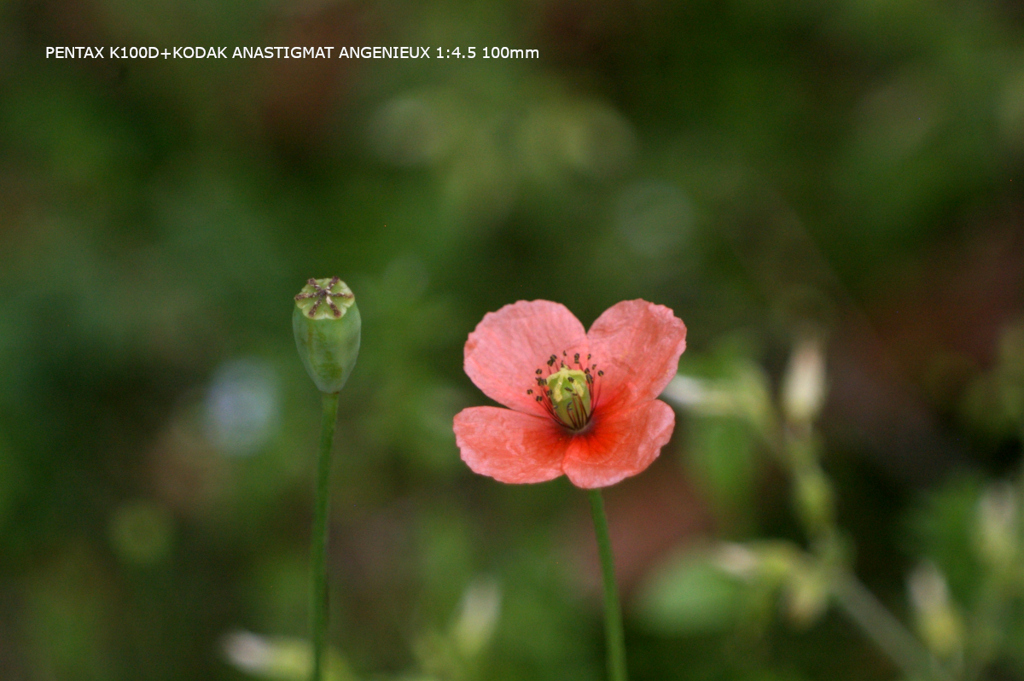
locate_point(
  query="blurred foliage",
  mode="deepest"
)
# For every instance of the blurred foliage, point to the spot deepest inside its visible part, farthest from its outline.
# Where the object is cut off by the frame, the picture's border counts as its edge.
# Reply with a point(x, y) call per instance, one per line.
point(761, 168)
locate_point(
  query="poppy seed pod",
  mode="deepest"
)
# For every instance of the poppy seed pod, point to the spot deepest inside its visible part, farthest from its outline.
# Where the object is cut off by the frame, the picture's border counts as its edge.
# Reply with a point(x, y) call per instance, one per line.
point(327, 330)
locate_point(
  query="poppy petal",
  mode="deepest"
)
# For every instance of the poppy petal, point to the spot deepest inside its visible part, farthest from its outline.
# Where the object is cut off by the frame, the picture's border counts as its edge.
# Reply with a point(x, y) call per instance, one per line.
point(637, 344)
point(510, 446)
point(508, 346)
point(619, 444)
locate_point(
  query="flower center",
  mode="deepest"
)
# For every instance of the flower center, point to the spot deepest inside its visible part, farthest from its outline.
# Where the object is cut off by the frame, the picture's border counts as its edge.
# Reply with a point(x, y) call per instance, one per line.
point(568, 393)
point(570, 397)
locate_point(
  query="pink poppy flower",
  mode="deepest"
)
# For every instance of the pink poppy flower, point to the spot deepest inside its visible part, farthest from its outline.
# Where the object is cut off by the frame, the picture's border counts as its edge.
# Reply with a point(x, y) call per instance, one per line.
point(579, 403)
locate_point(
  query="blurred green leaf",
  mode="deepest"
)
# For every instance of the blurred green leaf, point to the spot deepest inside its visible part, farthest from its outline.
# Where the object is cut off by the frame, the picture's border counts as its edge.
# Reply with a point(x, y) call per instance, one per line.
point(689, 594)
point(944, 526)
point(720, 453)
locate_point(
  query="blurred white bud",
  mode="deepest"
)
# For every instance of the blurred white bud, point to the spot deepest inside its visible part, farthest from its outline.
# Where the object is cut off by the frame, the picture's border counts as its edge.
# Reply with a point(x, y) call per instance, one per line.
point(744, 395)
point(815, 499)
point(928, 590)
point(737, 560)
point(806, 595)
point(270, 658)
point(279, 658)
point(686, 392)
point(779, 567)
point(997, 525)
point(803, 387)
point(478, 616)
point(769, 562)
point(938, 622)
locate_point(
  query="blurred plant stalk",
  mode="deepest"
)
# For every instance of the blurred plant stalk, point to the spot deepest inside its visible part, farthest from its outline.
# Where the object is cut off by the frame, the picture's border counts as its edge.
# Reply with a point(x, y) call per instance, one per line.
point(808, 579)
point(795, 443)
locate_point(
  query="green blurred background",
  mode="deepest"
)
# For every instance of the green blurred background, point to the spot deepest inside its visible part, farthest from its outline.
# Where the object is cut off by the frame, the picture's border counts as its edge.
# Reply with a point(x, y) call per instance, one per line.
point(764, 169)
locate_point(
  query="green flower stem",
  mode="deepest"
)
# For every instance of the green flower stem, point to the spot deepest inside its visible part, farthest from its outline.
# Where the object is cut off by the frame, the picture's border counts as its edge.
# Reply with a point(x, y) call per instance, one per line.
point(612, 611)
point(318, 560)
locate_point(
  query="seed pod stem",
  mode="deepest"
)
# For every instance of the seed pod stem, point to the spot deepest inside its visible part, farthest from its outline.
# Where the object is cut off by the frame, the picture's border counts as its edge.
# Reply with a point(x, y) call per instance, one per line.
point(318, 555)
